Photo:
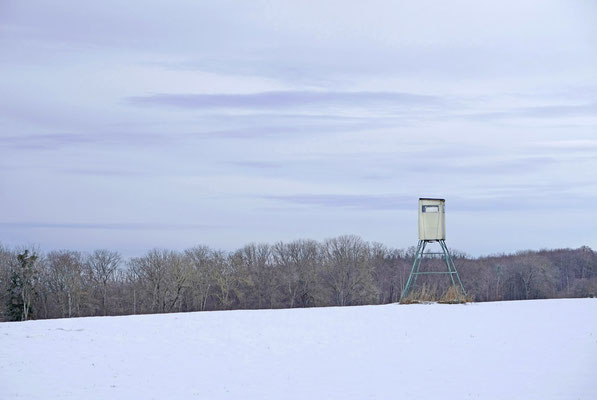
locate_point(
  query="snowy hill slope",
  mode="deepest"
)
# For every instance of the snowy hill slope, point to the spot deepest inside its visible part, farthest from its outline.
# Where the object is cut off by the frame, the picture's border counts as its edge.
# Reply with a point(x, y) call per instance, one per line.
point(543, 349)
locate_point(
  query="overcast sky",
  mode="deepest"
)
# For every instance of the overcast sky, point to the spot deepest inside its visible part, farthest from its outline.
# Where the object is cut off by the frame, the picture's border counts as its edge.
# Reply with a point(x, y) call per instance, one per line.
point(140, 124)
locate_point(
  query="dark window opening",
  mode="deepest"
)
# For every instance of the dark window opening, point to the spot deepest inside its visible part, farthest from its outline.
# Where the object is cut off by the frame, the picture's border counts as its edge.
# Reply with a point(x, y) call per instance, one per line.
point(430, 209)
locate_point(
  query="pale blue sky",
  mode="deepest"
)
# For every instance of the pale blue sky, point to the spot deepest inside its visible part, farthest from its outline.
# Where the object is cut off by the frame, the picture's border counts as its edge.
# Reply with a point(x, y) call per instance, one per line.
point(141, 124)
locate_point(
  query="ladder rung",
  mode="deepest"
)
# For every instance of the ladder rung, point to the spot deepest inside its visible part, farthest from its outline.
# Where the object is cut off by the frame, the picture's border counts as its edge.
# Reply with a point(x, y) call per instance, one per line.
point(434, 272)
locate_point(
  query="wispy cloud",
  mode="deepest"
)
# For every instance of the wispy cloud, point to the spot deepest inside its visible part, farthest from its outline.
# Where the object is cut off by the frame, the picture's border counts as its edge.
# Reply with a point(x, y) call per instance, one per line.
point(551, 111)
point(507, 166)
point(372, 167)
point(260, 165)
point(515, 200)
point(60, 140)
point(371, 202)
point(104, 226)
point(531, 203)
point(258, 125)
point(111, 172)
point(286, 99)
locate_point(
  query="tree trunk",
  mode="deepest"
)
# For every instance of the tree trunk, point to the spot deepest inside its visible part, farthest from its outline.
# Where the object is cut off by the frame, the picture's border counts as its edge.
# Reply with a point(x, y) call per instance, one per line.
point(69, 305)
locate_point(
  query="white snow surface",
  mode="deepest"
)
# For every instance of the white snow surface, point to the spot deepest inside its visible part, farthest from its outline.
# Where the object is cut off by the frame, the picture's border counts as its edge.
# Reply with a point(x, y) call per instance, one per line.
point(543, 349)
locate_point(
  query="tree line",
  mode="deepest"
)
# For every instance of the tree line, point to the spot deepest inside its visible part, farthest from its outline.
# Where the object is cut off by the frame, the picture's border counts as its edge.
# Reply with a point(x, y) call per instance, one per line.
point(340, 271)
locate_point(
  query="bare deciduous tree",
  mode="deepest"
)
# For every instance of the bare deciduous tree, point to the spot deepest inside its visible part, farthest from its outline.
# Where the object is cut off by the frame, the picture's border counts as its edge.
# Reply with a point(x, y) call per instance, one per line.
point(297, 264)
point(346, 270)
point(64, 269)
point(163, 275)
point(257, 261)
point(203, 269)
point(101, 266)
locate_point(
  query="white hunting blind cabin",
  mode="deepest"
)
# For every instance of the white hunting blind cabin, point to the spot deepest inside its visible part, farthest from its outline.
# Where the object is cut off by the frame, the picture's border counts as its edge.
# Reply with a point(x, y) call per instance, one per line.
point(432, 219)
point(432, 228)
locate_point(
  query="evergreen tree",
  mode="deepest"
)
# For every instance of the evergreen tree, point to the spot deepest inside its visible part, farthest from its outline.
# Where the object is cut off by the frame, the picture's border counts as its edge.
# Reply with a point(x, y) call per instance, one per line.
point(22, 287)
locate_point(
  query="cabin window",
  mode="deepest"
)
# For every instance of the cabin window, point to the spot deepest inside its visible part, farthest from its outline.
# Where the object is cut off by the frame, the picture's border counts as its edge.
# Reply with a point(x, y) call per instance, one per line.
point(430, 209)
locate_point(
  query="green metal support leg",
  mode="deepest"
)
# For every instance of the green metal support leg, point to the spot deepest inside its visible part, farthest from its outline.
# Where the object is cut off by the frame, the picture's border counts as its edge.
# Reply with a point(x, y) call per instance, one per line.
point(415, 270)
point(412, 272)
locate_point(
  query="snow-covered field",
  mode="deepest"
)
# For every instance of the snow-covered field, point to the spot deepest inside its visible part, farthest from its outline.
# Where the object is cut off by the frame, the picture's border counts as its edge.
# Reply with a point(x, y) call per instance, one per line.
point(545, 349)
